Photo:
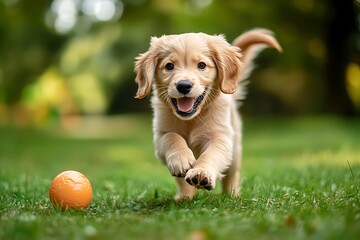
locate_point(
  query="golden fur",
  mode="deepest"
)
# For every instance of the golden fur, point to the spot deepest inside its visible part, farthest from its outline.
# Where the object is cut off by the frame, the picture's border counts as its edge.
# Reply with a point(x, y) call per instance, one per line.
point(197, 129)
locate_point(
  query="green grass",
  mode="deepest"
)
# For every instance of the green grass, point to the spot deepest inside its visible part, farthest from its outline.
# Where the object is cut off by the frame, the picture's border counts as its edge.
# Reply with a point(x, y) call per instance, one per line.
point(300, 180)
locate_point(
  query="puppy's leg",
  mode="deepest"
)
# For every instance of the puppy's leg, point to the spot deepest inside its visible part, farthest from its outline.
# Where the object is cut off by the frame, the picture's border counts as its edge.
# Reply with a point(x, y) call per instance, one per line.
point(230, 183)
point(173, 150)
point(185, 191)
point(212, 163)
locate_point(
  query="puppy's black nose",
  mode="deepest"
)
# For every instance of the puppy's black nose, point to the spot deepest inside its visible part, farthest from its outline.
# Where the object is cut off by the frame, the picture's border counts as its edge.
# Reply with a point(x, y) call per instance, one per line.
point(184, 86)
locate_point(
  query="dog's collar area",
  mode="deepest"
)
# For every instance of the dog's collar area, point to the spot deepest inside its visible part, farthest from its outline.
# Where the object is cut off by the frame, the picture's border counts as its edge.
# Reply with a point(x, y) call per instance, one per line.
point(189, 113)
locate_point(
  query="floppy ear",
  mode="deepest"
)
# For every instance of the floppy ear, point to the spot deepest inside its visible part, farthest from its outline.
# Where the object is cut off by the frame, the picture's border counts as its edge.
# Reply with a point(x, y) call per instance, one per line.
point(228, 62)
point(145, 66)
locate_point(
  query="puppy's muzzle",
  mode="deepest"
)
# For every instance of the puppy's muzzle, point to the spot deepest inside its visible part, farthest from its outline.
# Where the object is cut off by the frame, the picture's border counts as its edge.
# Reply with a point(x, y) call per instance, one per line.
point(186, 106)
point(184, 86)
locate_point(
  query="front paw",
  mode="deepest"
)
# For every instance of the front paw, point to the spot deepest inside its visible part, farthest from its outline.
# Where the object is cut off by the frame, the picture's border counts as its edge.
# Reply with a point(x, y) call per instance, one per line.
point(201, 178)
point(180, 163)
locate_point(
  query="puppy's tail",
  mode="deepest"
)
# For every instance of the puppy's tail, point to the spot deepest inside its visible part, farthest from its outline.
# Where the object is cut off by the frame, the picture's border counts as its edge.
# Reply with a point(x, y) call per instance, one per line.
point(251, 44)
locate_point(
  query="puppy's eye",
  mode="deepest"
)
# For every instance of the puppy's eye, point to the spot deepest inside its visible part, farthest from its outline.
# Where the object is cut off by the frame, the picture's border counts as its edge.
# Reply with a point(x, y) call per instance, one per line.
point(169, 66)
point(201, 65)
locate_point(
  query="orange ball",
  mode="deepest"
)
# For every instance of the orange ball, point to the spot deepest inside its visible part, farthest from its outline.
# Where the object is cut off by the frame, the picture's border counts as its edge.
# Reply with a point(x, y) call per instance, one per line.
point(70, 189)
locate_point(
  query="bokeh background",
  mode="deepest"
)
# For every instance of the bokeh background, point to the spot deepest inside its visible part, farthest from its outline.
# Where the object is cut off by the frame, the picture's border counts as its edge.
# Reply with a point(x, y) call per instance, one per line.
point(66, 58)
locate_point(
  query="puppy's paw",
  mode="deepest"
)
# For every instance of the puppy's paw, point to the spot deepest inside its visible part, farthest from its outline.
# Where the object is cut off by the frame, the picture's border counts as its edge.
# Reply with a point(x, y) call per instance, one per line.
point(201, 178)
point(180, 163)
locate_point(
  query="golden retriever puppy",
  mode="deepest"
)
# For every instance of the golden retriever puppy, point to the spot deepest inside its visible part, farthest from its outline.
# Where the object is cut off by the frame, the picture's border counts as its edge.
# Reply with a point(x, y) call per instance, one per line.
point(195, 82)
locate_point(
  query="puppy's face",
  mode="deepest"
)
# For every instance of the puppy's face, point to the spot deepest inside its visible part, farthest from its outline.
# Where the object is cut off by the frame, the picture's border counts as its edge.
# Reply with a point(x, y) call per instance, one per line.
point(188, 71)
point(185, 75)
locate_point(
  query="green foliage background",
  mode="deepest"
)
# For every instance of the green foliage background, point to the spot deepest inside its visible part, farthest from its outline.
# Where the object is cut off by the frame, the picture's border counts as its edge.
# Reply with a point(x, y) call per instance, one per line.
point(88, 69)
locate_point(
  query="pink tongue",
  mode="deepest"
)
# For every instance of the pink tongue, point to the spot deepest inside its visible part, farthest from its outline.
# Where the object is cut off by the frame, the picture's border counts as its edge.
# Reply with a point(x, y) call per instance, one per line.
point(185, 104)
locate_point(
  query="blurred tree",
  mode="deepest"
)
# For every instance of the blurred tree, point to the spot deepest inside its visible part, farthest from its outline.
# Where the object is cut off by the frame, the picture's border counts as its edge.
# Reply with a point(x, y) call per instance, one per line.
point(87, 49)
point(340, 43)
point(27, 46)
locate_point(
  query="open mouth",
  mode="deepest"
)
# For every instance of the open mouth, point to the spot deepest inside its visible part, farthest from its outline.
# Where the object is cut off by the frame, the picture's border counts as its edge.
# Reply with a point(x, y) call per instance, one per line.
point(187, 106)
